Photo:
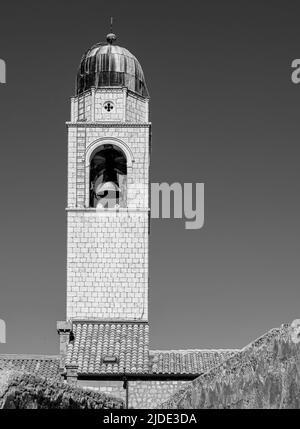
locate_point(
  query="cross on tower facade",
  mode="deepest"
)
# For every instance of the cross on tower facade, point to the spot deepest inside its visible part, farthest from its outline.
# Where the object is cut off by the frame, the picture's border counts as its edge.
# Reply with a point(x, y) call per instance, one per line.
point(108, 106)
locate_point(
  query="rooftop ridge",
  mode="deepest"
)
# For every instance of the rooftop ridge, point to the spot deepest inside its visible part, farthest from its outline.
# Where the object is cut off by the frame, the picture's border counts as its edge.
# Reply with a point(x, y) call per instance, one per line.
point(109, 321)
point(28, 356)
point(193, 350)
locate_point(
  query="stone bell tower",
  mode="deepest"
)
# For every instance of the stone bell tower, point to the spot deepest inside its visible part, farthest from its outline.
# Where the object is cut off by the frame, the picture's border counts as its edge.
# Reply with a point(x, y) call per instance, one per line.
point(108, 188)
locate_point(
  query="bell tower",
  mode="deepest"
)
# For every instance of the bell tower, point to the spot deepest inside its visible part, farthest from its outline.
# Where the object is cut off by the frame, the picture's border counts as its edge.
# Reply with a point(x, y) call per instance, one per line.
point(108, 188)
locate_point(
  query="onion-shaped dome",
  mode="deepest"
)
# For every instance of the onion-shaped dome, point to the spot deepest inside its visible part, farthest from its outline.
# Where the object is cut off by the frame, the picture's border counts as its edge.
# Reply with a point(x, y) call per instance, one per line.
point(105, 65)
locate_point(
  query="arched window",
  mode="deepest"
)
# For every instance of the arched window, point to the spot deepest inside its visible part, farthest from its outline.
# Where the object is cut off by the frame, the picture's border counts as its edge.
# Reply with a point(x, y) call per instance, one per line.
point(108, 177)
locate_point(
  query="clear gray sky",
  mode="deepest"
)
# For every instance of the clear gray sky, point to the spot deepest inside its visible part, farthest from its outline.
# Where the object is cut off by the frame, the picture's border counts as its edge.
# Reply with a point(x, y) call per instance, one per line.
point(224, 112)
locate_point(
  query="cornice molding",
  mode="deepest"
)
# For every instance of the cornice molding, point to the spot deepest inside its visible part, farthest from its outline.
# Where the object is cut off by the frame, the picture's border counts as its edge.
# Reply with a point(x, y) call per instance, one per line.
point(109, 124)
point(110, 321)
point(116, 89)
point(107, 210)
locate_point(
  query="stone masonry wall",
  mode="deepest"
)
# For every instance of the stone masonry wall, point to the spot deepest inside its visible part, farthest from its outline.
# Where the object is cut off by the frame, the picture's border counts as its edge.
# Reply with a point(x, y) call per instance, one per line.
point(127, 106)
point(107, 275)
point(116, 98)
point(142, 394)
point(131, 139)
point(107, 268)
point(136, 109)
point(149, 394)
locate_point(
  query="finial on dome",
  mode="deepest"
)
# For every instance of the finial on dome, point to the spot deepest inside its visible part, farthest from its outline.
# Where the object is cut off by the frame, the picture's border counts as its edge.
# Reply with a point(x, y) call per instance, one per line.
point(111, 37)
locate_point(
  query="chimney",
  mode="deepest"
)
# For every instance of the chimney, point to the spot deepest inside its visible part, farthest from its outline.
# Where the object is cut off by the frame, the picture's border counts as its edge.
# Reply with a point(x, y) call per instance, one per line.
point(64, 330)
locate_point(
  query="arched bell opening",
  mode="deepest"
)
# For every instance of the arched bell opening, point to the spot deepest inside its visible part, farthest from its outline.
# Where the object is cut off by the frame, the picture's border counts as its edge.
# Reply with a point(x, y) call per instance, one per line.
point(108, 177)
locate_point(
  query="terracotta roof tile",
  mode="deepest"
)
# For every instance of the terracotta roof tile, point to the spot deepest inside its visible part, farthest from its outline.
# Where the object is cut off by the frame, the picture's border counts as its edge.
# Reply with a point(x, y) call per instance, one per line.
point(186, 362)
point(45, 366)
point(107, 348)
point(110, 347)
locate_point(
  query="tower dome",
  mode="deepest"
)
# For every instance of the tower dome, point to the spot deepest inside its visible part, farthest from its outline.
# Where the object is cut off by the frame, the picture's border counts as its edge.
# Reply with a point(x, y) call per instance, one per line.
point(105, 65)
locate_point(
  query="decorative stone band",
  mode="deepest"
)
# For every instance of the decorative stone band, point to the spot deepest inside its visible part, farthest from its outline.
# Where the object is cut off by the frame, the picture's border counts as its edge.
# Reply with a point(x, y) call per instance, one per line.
point(108, 210)
point(116, 320)
point(115, 89)
point(109, 124)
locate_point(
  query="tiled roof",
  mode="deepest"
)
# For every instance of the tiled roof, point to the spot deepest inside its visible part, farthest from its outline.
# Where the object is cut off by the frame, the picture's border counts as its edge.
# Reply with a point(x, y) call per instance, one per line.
point(186, 362)
point(111, 348)
point(45, 366)
point(103, 347)
point(107, 348)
